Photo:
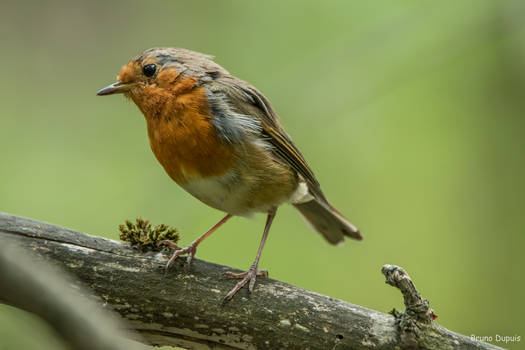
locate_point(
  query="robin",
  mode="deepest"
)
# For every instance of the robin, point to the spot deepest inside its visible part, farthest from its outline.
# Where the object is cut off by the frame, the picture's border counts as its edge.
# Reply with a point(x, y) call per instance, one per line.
point(220, 139)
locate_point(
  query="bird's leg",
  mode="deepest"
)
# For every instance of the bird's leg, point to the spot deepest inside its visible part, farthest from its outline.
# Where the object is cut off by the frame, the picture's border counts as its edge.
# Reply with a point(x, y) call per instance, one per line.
point(253, 272)
point(192, 248)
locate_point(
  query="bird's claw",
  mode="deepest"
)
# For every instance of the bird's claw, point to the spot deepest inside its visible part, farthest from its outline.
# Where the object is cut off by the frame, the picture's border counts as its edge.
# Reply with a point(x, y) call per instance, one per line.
point(190, 250)
point(246, 277)
point(263, 273)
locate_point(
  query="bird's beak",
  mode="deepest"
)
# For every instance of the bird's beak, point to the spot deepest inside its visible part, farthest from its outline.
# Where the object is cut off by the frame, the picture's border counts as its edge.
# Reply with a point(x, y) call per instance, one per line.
point(116, 88)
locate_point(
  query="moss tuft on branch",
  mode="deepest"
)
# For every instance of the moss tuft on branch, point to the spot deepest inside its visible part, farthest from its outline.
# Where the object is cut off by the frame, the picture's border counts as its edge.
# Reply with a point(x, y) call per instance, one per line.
point(141, 235)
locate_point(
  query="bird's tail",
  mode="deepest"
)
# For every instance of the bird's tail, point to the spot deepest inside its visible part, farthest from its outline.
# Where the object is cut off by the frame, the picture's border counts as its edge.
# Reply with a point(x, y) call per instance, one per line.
point(326, 220)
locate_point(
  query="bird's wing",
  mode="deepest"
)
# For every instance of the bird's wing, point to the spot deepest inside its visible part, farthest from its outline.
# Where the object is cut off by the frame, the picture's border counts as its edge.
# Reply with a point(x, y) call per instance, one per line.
point(248, 100)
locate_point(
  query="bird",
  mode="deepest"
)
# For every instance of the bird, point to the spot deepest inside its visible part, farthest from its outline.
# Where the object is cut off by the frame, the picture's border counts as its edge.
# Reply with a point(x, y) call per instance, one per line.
point(220, 139)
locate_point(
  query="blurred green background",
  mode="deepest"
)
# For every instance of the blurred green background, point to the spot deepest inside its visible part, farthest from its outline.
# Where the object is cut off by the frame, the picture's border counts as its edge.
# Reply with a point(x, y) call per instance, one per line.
point(410, 113)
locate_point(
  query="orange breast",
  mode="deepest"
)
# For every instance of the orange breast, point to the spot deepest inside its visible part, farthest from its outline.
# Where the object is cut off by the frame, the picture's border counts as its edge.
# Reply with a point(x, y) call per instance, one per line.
point(184, 140)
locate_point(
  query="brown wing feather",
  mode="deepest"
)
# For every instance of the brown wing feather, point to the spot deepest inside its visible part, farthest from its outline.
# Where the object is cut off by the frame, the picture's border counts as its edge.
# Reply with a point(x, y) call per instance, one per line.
point(248, 100)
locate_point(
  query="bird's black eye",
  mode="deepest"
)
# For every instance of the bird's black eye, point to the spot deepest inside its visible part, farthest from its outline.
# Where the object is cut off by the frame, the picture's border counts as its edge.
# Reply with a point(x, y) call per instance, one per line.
point(149, 70)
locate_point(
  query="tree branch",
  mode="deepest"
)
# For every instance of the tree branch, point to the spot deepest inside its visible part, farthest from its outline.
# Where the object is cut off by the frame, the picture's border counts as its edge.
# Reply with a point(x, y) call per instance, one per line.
point(185, 309)
point(60, 301)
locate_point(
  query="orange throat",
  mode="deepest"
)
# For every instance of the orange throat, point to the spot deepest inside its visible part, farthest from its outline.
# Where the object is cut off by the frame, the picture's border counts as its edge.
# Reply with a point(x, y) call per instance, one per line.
point(181, 134)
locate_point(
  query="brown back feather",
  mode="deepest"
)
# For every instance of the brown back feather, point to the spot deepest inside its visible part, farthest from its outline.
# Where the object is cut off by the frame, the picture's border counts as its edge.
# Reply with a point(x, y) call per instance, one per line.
point(246, 99)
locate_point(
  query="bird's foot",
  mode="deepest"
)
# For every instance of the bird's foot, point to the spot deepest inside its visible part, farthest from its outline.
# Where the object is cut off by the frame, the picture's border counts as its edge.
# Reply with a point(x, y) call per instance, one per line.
point(246, 277)
point(190, 250)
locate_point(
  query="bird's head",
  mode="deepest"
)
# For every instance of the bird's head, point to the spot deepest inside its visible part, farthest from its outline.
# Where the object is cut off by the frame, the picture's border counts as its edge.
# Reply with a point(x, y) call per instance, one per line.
point(156, 75)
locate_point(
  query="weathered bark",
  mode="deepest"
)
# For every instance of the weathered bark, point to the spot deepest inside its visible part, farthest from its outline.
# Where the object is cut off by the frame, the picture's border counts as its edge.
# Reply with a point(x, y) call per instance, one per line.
point(185, 308)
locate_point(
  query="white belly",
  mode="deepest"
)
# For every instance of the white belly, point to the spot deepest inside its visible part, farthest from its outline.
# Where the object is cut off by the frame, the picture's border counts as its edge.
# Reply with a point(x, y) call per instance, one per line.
point(228, 194)
point(220, 192)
